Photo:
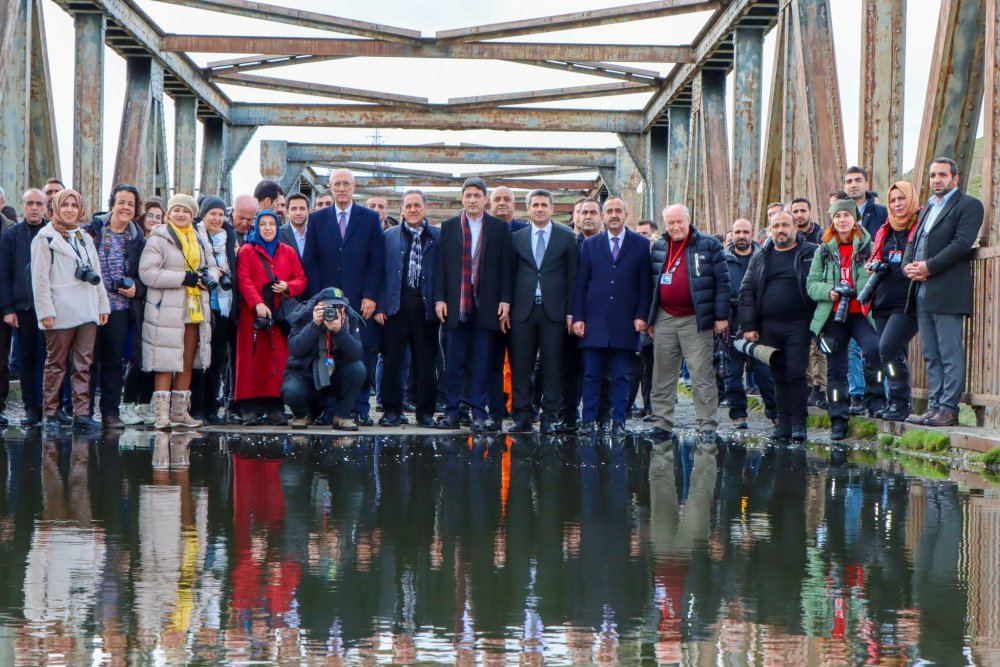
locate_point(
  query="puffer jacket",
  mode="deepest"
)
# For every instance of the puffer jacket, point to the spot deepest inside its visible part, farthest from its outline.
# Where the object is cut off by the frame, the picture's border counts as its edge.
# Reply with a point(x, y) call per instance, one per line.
point(162, 268)
point(58, 292)
point(304, 338)
point(754, 282)
point(736, 274)
point(708, 278)
point(825, 275)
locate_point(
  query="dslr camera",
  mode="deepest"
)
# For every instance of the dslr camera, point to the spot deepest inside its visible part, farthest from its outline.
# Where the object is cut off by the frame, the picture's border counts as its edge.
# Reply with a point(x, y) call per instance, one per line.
point(208, 280)
point(87, 274)
point(879, 268)
point(846, 293)
point(122, 283)
point(226, 281)
point(263, 323)
point(331, 313)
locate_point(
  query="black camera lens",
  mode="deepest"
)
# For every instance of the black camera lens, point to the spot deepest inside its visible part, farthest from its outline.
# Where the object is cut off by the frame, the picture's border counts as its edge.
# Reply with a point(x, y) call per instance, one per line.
point(125, 283)
point(226, 282)
point(87, 275)
point(208, 280)
point(331, 313)
point(263, 323)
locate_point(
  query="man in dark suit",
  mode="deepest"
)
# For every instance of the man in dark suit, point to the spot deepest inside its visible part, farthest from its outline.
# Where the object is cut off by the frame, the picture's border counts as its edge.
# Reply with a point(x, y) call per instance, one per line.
point(545, 264)
point(406, 310)
point(472, 291)
point(937, 261)
point(344, 248)
point(294, 233)
point(613, 292)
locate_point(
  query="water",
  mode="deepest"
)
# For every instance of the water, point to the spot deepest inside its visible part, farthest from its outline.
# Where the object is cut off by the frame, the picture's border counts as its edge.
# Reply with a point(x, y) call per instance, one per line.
point(419, 550)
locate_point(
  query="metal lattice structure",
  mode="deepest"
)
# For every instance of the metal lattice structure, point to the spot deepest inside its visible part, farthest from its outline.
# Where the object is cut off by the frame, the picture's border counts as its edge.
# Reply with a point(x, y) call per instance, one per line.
point(675, 148)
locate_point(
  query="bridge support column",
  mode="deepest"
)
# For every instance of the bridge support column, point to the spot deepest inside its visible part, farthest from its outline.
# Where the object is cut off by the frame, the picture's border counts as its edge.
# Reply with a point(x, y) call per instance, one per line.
point(678, 144)
point(991, 130)
point(185, 134)
point(715, 153)
point(88, 108)
point(747, 102)
point(141, 160)
point(657, 170)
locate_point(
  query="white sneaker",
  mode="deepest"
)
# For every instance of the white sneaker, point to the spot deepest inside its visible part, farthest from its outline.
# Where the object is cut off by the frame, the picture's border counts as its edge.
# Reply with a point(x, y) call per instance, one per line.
point(129, 415)
point(145, 411)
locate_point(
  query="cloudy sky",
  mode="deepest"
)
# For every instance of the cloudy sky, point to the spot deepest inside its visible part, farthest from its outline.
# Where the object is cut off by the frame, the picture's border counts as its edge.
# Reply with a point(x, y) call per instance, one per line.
point(440, 79)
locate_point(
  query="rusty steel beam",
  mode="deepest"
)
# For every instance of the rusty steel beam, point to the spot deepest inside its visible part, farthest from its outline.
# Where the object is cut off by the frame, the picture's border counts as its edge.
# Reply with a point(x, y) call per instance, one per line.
point(258, 62)
point(991, 129)
point(747, 102)
point(677, 155)
point(237, 140)
point(160, 177)
point(883, 63)
point(303, 19)
point(213, 152)
point(531, 171)
point(42, 144)
point(601, 69)
point(334, 153)
point(131, 163)
point(550, 95)
point(715, 153)
point(15, 64)
point(456, 181)
point(575, 20)
point(88, 106)
point(955, 89)
point(185, 151)
point(820, 95)
point(795, 173)
point(320, 89)
point(771, 172)
point(344, 115)
point(657, 169)
point(377, 48)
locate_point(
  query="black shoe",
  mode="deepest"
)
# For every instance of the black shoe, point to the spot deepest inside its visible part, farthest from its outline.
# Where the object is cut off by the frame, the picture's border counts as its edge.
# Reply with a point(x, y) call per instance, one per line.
point(604, 428)
point(657, 434)
point(815, 396)
point(838, 430)
point(363, 420)
point(780, 432)
point(49, 422)
point(325, 419)
point(31, 419)
point(521, 426)
point(233, 417)
point(389, 419)
point(618, 430)
point(250, 419)
point(214, 419)
point(275, 419)
point(62, 418)
point(896, 412)
point(493, 425)
point(83, 423)
point(857, 406)
point(426, 421)
point(112, 421)
point(547, 428)
point(799, 434)
point(479, 426)
point(566, 427)
point(409, 407)
point(448, 423)
point(587, 428)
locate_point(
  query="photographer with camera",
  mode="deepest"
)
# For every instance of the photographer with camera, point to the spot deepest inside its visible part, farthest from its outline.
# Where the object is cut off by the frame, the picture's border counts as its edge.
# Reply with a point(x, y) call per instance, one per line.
point(119, 242)
point(325, 369)
point(774, 310)
point(269, 277)
point(885, 296)
point(178, 271)
point(838, 273)
point(70, 303)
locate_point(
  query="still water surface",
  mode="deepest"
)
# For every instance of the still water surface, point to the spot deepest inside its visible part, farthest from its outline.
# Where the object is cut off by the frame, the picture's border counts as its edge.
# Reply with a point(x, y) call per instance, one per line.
point(417, 550)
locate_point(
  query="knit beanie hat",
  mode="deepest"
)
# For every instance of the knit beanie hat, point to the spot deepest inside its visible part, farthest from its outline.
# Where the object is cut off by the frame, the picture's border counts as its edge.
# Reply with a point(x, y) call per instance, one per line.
point(187, 201)
point(210, 203)
point(844, 205)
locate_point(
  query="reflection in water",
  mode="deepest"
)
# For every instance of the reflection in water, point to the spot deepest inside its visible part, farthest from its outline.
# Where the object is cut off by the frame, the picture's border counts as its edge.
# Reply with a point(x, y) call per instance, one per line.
point(167, 549)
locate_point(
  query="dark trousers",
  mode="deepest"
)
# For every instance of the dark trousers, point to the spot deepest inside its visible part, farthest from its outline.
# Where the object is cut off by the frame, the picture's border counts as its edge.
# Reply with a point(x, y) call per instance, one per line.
point(362, 403)
point(305, 400)
point(109, 353)
point(469, 350)
point(31, 351)
point(572, 384)
point(6, 333)
point(788, 378)
point(223, 328)
point(894, 334)
point(596, 362)
point(857, 328)
point(410, 330)
point(735, 392)
point(534, 338)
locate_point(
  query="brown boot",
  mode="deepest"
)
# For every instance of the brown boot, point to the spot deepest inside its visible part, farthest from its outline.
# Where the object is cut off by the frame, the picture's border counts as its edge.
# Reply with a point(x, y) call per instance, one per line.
point(179, 417)
point(160, 407)
point(944, 417)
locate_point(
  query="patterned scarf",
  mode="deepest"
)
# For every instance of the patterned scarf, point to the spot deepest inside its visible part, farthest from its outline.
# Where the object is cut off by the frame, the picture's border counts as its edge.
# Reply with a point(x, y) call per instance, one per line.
point(192, 257)
point(416, 255)
point(469, 292)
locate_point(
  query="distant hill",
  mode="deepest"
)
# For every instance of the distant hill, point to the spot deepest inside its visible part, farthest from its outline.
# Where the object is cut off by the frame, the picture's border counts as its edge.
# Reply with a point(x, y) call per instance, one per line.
point(973, 184)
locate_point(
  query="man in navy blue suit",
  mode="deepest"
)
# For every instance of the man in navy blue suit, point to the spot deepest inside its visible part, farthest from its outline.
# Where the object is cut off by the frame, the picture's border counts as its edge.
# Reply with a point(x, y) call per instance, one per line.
point(344, 248)
point(613, 291)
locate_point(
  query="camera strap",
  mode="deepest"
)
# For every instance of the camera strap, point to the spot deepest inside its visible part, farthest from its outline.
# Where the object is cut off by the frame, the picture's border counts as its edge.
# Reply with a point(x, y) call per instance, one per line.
point(76, 248)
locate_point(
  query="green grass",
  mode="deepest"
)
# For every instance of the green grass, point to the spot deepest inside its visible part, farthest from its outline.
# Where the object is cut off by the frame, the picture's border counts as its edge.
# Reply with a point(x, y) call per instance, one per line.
point(754, 404)
point(818, 422)
point(991, 459)
point(862, 428)
point(886, 441)
point(925, 441)
point(966, 415)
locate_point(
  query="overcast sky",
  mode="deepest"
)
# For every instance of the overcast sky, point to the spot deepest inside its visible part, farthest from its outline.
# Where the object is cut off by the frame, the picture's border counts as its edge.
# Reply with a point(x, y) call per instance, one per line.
point(441, 79)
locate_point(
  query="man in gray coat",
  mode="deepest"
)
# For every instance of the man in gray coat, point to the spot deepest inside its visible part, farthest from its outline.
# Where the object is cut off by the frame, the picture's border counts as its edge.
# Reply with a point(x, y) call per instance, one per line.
point(937, 260)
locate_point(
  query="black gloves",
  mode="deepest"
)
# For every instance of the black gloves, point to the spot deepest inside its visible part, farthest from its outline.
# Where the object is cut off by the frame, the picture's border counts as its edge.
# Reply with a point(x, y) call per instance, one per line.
point(190, 279)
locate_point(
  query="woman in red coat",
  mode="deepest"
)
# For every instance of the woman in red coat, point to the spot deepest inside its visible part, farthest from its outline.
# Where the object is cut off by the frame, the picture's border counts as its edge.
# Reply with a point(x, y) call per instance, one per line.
point(261, 345)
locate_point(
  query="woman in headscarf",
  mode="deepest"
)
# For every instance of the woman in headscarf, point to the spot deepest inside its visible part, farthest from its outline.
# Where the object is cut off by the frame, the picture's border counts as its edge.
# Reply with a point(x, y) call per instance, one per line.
point(70, 303)
point(176, 331)
point(268, 272)
point(894, 325)
point(836, 278)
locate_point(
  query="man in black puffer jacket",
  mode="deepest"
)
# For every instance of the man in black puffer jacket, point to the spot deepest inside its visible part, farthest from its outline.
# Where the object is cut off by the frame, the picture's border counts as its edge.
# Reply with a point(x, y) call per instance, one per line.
point(690, 305)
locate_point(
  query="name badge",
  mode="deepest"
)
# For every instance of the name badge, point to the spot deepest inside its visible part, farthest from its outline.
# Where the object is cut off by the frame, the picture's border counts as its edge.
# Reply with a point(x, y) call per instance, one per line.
point(667, 278)
point(896, 256)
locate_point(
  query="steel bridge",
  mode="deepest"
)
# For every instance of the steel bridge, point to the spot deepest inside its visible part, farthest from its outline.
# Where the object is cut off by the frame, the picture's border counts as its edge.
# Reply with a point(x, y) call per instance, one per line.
point(673, 149)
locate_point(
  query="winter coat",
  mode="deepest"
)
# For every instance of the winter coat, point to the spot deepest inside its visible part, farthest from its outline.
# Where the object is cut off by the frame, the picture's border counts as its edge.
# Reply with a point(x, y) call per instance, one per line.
point(874, 215)
point(304, 339)
point(754, 282)
point(58, 292)
point(736, 273)
point(133, 250)
point(162, 268)
point(15, 271)
point(825, 275)
point(395, 262)
point(261, 365)
point(708, 278)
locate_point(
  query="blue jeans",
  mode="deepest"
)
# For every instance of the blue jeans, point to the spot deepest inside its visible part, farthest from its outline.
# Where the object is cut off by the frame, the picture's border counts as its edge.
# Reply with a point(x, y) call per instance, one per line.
point(855, 374)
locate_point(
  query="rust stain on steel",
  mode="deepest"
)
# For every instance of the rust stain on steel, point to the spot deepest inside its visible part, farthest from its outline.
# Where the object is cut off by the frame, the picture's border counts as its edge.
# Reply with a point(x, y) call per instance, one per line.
point(747, 121)
point(677, 153)
point(577, 157)
point(883, 53)
point(88, 116)
point(715, 151)
point(185, 152)
point(991, 130)
point(428, 48)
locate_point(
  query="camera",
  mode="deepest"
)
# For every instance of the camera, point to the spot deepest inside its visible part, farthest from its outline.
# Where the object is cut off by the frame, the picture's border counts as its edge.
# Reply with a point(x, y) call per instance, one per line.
point(846, 293)
point(87, 274)
point(878, 268)
point(331, 313)
point(263, 323)
point(122, 283)
point(226, 281)
point(208, 280)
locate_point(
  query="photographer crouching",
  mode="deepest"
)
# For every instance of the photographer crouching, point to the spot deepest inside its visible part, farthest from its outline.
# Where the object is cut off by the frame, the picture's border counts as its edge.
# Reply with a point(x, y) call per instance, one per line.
point(325, 369)
point(775, 310)
point(838, 274)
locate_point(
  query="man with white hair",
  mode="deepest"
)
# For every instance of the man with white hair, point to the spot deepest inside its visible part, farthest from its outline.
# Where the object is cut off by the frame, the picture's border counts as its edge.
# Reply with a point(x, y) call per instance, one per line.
point(691, 303)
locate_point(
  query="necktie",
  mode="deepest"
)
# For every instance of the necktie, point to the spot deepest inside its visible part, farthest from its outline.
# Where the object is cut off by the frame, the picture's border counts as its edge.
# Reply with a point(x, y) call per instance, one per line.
point(540, 248)
point(614, 250)
point(343, 225)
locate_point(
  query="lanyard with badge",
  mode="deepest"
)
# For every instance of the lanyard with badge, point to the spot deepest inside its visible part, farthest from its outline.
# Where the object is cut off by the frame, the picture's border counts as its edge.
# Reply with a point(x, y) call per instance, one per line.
point(673, 261)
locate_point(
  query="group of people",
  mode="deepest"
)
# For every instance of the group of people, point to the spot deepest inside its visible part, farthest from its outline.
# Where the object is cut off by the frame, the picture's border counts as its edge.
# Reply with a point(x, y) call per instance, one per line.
point(191, 311)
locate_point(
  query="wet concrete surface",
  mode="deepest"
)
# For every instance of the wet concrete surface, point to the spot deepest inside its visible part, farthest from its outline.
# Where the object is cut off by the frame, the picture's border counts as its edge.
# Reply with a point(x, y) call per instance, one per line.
point(281, 548)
